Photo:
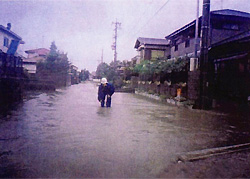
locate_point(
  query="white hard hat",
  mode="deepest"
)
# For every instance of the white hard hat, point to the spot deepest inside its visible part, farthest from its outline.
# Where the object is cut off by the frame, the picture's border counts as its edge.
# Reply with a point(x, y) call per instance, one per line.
point(104, 81)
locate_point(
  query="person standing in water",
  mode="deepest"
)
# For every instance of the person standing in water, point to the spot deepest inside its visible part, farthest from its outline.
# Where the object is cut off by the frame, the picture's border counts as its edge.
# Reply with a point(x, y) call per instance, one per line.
point(105, 90)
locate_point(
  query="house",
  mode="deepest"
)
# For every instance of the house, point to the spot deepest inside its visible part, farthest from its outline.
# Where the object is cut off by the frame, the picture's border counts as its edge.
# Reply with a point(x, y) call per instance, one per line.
point(232, 67)
point(10, 41)
point(151, 48)
point(34, 56)
point(228, 72)
point(39, 54)
point(11, 70)
point(223, 24)
point(228, 54)
point(10, 52)
point(74, 74)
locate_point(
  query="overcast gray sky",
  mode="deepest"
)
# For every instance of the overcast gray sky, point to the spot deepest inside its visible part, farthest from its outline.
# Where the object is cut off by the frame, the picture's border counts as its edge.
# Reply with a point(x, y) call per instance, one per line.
point(82, 28)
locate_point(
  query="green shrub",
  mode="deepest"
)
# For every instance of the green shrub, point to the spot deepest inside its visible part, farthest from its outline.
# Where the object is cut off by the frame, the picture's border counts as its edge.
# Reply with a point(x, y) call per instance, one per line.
point(150, 92)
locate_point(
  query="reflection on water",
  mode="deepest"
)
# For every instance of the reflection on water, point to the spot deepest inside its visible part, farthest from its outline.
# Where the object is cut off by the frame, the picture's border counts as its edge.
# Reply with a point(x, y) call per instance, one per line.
point(104, 112)
point(67, 134)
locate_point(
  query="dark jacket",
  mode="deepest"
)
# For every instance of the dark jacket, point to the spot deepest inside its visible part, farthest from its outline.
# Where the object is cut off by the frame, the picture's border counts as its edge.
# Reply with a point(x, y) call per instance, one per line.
point(105, 90)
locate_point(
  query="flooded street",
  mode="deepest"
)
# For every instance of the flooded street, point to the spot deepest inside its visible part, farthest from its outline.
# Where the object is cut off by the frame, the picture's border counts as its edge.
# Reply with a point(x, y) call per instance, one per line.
point(67, 134)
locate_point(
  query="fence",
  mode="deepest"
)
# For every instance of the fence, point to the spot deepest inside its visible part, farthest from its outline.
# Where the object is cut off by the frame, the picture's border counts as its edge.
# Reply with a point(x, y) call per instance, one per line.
point(162, 89)
point(10, 66)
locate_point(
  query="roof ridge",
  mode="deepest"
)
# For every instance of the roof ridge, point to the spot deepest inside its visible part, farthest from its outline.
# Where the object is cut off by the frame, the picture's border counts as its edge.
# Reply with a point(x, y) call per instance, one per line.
point(10, 32)
point(152, 38)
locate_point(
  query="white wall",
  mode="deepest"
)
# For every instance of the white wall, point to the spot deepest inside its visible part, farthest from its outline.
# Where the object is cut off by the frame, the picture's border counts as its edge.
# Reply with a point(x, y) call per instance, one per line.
point(32, 55)
point(2, 47)
point(30, 67)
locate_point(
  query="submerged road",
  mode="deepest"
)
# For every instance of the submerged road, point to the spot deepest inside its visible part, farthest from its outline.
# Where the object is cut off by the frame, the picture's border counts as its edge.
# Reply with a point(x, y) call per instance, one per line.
point(67, 134)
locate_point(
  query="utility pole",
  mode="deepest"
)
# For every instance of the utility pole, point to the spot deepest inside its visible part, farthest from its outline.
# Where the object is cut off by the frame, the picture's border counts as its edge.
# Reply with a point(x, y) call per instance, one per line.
point(114, 46)
point(194, 61)
point(101, 60)
point(205, 68)
point(197, 30)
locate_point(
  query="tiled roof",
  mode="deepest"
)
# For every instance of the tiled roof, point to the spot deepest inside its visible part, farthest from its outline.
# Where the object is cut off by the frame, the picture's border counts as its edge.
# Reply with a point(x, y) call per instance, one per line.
point(39, 51)
point(150, 41)
point(10, 32)
point(230, 12)
point(225, 12)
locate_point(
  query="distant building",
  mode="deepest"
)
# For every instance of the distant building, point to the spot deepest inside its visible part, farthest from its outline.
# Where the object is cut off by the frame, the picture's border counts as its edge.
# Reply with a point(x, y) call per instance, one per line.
point(74, 74)
point(8, 38)
point(92, 76)
point(39, 53)
point(151, 48)
point(34, 56)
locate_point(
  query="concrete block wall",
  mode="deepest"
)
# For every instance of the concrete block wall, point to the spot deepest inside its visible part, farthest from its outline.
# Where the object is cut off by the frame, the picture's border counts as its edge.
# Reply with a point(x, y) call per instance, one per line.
point(193, 85)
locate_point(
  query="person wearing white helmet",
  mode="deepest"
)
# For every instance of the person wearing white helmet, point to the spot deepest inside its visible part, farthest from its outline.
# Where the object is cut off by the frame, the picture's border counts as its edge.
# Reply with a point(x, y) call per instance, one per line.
point(105, 90)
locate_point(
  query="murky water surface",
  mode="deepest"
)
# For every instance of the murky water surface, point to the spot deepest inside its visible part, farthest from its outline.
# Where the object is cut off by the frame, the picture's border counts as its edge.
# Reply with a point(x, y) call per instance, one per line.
point(67, 134)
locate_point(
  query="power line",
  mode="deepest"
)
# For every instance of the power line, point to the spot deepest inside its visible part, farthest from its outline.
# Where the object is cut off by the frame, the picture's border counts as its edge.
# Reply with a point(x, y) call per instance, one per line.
point(149, 19)
point(136, 21)
point(153, 16)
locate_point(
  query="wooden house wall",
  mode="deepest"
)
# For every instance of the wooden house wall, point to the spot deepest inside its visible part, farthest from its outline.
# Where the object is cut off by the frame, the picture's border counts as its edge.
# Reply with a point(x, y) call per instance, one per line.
point(219, 32)
point(182, 50)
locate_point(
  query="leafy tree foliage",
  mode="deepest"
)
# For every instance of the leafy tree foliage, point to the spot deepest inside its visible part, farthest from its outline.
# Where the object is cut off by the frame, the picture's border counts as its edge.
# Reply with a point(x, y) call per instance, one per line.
point(53, 54)
point(161, 68)
point(56, 62)
point(84, 75)
point(102, 70)
point(110, 72)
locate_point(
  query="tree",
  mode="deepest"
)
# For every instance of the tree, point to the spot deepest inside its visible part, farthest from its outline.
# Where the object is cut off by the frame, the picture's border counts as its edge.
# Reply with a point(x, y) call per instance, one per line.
point(84, 75)
point(102, 70)
point(53, 51)
point(56, 64)
point(160, 68)
point(110, 72)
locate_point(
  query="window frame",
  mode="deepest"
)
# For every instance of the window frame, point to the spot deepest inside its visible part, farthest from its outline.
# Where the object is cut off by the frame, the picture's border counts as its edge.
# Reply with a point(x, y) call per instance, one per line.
point(6, 42)
point(176, 48)
point(187, 43)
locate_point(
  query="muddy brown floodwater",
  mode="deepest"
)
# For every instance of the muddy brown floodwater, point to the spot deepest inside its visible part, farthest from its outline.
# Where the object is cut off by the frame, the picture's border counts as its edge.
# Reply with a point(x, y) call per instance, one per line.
point(67, 134)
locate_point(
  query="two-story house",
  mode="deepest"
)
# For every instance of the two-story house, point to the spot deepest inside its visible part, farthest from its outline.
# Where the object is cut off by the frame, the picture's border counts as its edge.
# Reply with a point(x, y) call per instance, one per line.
point(8, 37)
point(34, 56)
point(223, 24)
point(229, 52)
point(151, 48)
point(10, 52)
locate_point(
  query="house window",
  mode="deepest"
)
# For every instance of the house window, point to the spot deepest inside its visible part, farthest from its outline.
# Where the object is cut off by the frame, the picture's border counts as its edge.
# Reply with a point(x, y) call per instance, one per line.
point(6, 42)
point(187, 43)
point(157, 54)
point(176, 48)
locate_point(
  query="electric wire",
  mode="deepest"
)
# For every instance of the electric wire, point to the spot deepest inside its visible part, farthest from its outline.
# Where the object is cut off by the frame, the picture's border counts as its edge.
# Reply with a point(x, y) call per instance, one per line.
point(152, 16)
